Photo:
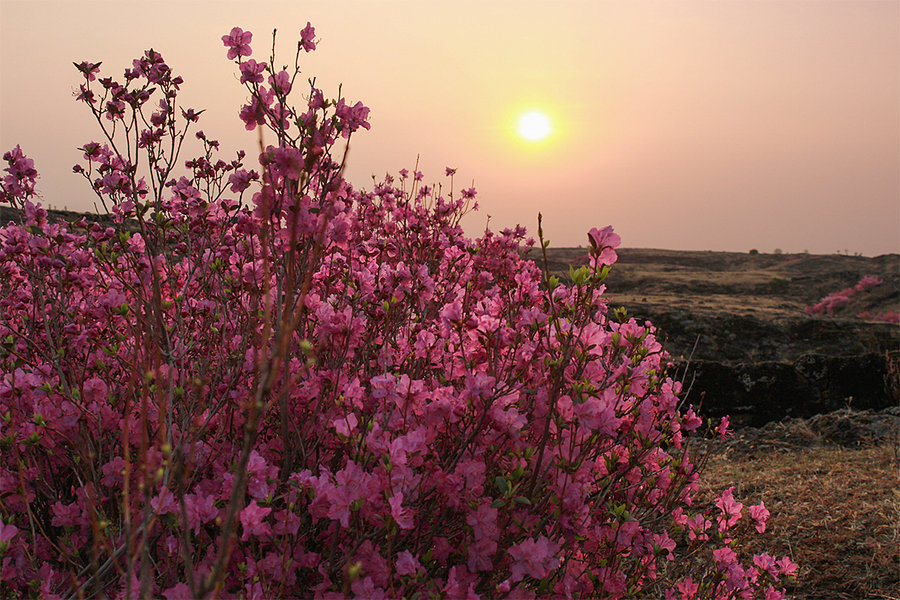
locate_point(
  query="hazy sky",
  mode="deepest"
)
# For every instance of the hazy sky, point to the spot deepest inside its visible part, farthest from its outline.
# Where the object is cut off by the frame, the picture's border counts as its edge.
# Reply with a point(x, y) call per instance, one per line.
point(688, 125)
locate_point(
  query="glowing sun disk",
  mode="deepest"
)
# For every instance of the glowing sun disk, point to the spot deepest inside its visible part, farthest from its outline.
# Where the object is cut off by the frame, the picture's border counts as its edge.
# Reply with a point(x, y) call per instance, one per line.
point(534, 126)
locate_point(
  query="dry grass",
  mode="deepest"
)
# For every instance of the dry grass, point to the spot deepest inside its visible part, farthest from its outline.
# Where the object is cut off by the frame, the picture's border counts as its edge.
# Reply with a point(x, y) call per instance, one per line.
point(834, 510)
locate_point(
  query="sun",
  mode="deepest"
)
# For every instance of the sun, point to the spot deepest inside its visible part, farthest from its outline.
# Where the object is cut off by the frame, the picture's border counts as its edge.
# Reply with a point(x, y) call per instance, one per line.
point(534, 126)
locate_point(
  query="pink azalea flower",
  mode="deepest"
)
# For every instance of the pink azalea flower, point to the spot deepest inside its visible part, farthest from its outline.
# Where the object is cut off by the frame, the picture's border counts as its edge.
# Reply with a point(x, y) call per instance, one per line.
point(724, 557)
point(786, 566)
point(690, 420)
point(351, 117)
point(252, 521)
point(403, 446)
point(400, 514)
point(281, 82)
point(254, 591)
point(687, 589)
point(382, 385)
point(238, 43)
point(7, 532)
point(251, 71)
point(731, 510)
point(460, 585)
point(179, 591)
point(95, 390)
point(113, 472)
point(308, 38)
point(534, 558)
point(451, 313)
point(480, 553)
point(662, 542)
point(351, 484)
point(760, 514)
point(722, 429)
point(254, 113)
point(240, 180)
point(598, 415)
point(66, 515)
point(200, 509)
point(136, 243)
point(164, 503)
point(603, 243)
point(773, 594)
point(89, 70)
point(407, 564)
point(867, 283)
point(345, 425)
point(766, 562)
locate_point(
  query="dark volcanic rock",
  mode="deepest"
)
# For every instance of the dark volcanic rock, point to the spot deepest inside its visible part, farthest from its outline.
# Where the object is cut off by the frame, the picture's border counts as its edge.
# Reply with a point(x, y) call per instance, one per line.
point(730, 337)
point(754, 394)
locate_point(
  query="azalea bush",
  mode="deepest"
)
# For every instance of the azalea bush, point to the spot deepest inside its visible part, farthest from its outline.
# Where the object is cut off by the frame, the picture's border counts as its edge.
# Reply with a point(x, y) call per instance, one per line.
point(837, 301)
point(264, 382)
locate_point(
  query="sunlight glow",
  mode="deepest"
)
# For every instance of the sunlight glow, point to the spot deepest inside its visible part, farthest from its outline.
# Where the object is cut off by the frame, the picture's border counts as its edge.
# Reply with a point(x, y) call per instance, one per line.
point(534, 126)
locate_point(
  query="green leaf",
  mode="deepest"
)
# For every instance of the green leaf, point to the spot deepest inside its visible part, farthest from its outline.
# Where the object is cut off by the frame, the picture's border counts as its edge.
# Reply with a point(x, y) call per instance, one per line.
point(581, 276)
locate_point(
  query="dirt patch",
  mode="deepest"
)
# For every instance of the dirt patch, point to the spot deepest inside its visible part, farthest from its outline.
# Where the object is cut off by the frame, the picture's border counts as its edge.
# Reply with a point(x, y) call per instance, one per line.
point(831, 485)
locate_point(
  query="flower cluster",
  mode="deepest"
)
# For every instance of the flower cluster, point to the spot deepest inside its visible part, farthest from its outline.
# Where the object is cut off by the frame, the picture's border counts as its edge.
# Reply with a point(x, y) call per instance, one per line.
point(835, 302)
point(21, 176)
point(888, 316)
point(325, 391)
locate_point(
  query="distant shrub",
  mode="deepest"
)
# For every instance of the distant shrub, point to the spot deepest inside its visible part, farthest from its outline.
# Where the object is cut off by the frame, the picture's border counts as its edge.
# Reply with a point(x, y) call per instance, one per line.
point(888, 317)
point(867, 283)
point(754, 251)
point(836, 301)
point(778, 285)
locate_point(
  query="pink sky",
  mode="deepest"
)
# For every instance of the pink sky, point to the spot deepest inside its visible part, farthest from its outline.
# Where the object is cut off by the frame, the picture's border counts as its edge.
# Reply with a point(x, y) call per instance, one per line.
point(685, 125)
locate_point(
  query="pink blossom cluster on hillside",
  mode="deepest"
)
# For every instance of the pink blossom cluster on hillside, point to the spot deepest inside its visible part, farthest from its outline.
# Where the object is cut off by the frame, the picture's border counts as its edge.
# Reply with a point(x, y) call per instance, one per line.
point(837, 301)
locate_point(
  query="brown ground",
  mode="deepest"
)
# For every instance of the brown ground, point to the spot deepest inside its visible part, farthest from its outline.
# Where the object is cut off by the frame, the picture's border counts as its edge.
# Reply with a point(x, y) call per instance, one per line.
point(831, 485)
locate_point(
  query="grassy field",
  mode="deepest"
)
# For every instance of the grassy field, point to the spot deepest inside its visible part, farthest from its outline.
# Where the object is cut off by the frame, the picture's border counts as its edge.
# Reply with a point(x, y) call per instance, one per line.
point(835, 507)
